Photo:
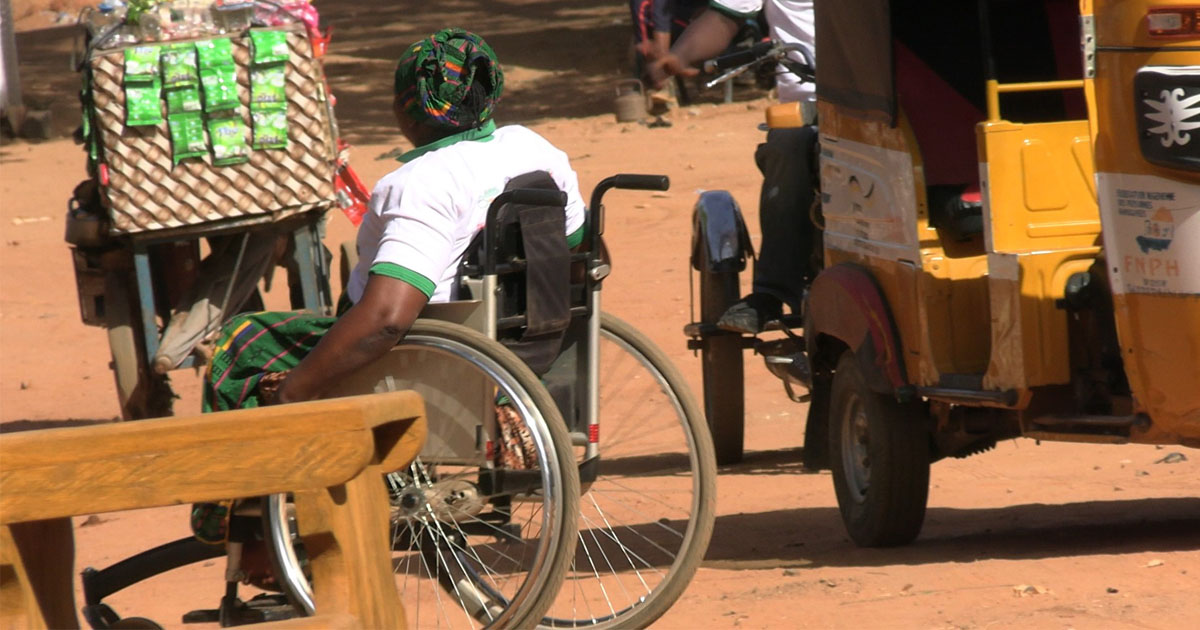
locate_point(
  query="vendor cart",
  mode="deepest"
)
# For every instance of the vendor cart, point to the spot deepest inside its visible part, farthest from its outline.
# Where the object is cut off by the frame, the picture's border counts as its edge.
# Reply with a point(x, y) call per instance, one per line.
point(169, 241)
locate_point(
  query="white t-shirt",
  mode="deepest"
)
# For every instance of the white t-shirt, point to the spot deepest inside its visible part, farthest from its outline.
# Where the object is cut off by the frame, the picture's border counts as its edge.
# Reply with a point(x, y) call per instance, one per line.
point(791, 22)
point(422, 216)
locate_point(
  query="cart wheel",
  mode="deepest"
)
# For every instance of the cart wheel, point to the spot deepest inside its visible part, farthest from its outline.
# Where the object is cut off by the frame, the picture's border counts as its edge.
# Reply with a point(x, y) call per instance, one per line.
point(140, 392)
point(721, 359)
point(880, 454)
point(347, 261)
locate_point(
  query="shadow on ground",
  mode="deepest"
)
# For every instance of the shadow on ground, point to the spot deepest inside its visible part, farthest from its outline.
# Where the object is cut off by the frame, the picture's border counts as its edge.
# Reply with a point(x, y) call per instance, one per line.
point(813, 537)
point(12, 426)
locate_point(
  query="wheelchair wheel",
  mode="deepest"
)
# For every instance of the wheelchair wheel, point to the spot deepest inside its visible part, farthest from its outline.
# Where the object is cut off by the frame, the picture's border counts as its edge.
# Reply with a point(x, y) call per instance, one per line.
point(476, 542)
point(648, 503)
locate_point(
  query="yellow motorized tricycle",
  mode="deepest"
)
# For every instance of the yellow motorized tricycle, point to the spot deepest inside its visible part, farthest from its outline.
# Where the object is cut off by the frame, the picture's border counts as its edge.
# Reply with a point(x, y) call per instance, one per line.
point(1009, 205)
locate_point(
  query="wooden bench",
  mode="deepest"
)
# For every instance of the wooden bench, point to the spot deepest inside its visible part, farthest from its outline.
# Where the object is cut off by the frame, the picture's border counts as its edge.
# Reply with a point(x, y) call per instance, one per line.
point(330, 453)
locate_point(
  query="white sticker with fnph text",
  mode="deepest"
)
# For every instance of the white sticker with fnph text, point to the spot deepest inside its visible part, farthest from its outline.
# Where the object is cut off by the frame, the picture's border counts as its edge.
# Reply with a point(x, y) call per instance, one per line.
point(1151, 233)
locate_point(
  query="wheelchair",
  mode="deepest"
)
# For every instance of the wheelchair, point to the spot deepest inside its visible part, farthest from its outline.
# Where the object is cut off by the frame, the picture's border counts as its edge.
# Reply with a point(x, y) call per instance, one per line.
point(481, 539)
point(568, 479)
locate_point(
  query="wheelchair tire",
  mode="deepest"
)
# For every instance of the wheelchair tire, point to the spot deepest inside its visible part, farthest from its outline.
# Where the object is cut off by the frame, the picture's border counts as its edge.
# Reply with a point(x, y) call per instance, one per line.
point(500, 566)
point(648, 505)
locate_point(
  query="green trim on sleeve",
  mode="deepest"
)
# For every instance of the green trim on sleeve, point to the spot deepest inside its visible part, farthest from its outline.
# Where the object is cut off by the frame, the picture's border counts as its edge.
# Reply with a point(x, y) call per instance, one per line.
point(576, 237)
point(730, 13)
point(392, 270)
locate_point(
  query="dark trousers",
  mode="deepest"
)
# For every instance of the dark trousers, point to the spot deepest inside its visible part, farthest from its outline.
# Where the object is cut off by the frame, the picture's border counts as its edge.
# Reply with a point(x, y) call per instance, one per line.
point(788, 258)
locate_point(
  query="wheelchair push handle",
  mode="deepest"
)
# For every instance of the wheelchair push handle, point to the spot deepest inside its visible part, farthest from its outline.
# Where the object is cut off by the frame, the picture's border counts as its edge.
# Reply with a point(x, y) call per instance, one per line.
point(629, 181)
point(641, 182)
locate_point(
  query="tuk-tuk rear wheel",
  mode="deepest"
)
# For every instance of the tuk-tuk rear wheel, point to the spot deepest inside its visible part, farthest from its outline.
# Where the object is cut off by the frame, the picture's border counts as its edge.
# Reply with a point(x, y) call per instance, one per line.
point(880, 458)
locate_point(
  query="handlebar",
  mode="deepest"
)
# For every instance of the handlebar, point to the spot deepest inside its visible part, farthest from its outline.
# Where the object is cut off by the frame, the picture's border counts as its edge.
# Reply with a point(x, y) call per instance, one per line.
point(737, 58)
point(737, 62)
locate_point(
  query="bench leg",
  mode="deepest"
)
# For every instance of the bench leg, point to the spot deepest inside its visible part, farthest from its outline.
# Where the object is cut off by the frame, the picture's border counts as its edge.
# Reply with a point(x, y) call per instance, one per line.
point(37, 564)
point(345, 531)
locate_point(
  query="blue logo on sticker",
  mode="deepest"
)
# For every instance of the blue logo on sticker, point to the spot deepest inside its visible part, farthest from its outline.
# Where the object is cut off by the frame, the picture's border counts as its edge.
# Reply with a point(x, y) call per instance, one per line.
point(1159, 230)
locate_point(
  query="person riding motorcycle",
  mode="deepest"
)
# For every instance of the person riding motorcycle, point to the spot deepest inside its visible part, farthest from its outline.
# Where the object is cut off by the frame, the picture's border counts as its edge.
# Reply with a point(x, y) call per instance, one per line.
point(789, 256)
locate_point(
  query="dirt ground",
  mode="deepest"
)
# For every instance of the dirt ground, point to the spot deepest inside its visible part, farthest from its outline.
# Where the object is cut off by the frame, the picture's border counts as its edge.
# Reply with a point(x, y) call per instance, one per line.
point(1025, 536)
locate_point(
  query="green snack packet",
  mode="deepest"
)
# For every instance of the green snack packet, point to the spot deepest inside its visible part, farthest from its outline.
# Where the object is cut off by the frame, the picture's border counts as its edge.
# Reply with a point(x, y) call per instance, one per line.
point(228, 137)
point(220, 89)
point(141, 64)
point(187, 136)
point(183, 99)
point(179, 66)
point(142, 104)
point(214, 53)
point(267, 89)
point(270, 129)
point(269, 46)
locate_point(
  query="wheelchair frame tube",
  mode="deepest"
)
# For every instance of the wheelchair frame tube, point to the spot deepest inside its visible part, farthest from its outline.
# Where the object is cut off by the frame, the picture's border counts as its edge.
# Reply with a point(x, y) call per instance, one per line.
point(490, 286)
point(592, 449)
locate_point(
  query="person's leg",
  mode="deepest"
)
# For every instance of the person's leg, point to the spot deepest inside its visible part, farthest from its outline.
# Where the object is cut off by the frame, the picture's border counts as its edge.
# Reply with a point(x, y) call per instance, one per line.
point(240, 259)
point(255, 344)
point(785, 261)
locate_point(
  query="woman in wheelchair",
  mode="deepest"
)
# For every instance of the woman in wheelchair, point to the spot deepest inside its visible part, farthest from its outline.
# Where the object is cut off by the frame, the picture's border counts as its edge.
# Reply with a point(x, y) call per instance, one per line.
point(421, 218)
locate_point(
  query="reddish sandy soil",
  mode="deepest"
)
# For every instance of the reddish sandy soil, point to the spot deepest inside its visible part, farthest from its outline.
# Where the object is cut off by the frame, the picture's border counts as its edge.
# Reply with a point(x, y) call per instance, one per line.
point(1107, 537)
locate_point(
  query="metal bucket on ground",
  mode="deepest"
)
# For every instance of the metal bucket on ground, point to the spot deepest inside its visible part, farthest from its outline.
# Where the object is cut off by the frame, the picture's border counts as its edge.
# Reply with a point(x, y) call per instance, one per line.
point(630, 103)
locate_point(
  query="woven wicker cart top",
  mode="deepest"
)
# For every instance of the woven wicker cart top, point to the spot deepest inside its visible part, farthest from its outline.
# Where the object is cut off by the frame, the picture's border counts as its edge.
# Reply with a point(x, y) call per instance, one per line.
point(146, 192)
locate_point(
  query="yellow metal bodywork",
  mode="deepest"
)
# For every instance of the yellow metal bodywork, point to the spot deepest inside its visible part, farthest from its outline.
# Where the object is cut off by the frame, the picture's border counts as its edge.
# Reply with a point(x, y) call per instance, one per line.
point(1159, 333)
point(1041, 225)
point(938, 298)
point(989, 306)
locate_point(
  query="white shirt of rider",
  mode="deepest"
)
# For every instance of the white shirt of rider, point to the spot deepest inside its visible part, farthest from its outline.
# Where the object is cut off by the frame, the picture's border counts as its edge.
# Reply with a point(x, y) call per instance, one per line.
point(422, 216)
point(791, 22)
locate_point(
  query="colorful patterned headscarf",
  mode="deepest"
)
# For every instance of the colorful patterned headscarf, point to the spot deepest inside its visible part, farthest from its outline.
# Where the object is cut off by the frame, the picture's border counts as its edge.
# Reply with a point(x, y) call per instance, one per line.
point(435, 74)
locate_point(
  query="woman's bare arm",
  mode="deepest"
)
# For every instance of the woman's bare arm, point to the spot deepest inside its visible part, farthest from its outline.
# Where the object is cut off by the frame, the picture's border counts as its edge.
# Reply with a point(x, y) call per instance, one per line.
point(363, 334)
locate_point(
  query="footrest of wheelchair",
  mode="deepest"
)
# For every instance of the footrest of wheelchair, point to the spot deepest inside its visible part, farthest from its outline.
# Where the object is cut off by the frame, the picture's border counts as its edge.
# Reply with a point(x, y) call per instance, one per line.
point(261, 608)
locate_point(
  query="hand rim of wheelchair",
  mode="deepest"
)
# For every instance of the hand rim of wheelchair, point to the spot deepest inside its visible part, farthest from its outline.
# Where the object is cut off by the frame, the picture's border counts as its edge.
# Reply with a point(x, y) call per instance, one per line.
point(555, 549)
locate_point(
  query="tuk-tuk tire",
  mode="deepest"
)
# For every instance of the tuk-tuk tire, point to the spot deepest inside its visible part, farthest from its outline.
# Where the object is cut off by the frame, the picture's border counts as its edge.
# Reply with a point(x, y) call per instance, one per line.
point(890, 510)
point(722, 364)
point(140, 392)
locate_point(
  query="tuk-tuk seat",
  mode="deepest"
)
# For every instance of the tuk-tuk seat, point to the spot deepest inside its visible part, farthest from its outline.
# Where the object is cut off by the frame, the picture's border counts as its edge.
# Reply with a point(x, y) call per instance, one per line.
point(956, 210)
point(943, 122)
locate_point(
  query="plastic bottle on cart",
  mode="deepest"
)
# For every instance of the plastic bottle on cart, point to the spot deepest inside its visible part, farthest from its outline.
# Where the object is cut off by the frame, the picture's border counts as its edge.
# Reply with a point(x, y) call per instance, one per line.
point(104, 16)
point(108, 27)
point(232, 16)
point(190, 18)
